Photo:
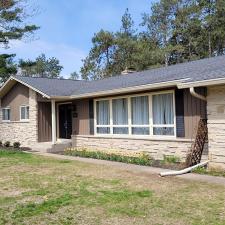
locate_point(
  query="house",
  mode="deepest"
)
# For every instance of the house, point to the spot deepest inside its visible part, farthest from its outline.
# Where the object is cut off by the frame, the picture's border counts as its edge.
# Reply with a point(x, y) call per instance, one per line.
point(157, 110)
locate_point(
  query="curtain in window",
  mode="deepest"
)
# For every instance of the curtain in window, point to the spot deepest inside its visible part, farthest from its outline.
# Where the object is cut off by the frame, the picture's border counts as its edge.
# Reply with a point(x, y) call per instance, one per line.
point(163, 114)
point(6, 114)
point(163, 109)
point(140, 110)
point(103, 112)
point(120, 111)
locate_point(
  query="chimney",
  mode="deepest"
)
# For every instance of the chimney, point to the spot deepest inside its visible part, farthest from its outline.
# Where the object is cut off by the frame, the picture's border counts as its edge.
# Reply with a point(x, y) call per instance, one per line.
point(127, 71)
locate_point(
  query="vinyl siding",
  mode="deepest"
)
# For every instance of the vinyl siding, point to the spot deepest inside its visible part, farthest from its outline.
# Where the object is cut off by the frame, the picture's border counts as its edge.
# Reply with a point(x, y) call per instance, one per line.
point(17, 96)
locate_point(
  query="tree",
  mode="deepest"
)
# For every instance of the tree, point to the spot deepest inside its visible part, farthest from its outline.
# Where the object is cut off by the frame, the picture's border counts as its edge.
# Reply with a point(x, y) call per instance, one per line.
point(74, 76)
point(98, 63)
point(13, 26)
point(7, 67)
point(41, 67)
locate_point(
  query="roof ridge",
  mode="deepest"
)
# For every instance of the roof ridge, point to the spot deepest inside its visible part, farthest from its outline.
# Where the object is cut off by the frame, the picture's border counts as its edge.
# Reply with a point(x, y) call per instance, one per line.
point(49, 78)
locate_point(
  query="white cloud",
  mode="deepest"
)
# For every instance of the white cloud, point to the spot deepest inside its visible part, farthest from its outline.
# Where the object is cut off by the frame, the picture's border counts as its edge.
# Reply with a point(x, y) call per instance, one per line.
point(70, 57)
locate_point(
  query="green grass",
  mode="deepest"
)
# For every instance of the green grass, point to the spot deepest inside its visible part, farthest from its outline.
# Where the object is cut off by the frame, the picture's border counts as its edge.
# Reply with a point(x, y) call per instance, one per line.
point(211, 172)
point(41, 190)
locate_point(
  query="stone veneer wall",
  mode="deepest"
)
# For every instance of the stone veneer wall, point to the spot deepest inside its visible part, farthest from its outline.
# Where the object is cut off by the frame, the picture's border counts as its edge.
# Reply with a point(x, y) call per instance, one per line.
point(216, 125)
point(156, 148)
point(24, 132)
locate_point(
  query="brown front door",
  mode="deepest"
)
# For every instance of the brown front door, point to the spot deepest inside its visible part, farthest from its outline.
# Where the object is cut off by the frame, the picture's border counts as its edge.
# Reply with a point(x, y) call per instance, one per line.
point(65, 121)
point(44, 122)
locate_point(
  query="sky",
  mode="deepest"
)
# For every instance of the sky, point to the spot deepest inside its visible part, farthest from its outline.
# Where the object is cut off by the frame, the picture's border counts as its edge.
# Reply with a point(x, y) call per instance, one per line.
point(67, 27)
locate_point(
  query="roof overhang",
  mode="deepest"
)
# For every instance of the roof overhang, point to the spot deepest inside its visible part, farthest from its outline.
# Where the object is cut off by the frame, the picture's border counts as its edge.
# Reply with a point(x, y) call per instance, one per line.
point(12, 81)
point(210, 82)
point(118, 91)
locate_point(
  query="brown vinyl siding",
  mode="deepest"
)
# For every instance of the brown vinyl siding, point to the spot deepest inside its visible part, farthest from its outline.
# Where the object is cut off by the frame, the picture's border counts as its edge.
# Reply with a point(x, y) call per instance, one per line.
point(44, 122)
point(16, 97)
point(81, 117)
point(194, 109)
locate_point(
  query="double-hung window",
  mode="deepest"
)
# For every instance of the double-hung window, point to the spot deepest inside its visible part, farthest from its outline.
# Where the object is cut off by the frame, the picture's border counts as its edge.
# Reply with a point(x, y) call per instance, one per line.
point(24, 113)
point(148, 114)
point(6, 114)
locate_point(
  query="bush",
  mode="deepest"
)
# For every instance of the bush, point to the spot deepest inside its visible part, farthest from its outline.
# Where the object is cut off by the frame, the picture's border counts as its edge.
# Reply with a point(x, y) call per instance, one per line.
point(0, 143)
point(7, 144)
point(171, 159)
point(16, 145)
point(144, 159)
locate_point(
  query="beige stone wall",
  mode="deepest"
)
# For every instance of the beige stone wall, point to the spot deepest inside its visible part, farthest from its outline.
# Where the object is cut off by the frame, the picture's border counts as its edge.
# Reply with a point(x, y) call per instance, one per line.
point(24, 132)
point(156, 148)
point(216, 125)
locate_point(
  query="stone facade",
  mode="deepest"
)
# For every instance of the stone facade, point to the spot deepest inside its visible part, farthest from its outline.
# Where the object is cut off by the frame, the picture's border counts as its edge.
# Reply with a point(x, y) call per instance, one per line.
point(155, 148)
point(216, 125)
point(24, 132)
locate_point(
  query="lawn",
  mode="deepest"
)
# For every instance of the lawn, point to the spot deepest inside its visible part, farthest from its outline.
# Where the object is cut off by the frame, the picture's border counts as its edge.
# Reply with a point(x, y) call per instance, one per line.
point(41, 190)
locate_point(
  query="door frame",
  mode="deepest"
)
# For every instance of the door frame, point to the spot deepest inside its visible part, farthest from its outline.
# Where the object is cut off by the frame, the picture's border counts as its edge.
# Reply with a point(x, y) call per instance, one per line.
point(57, 120)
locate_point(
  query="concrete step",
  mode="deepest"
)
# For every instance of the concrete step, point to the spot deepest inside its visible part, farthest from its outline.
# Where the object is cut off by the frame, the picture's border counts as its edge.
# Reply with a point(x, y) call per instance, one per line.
point(59, 147)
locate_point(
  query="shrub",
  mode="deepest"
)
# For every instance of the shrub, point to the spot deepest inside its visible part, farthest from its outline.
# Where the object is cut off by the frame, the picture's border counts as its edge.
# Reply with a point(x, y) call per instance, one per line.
point(7, 144)
point(0, 143)
point(16, 145)
point(171, 159)
point(143, 159)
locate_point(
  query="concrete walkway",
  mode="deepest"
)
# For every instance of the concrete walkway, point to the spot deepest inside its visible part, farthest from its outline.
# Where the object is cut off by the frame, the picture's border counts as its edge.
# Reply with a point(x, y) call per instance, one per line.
point(132, 167)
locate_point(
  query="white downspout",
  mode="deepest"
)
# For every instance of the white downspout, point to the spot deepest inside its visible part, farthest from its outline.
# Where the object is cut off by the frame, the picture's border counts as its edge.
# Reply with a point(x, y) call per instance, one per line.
point(195, 94)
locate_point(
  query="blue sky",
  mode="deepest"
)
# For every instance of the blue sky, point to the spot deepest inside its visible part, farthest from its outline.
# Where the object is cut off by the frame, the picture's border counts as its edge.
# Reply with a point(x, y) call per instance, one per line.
point(67, 27)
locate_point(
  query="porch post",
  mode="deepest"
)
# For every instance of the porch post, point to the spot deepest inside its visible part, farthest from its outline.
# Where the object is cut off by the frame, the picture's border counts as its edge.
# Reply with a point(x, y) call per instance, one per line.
point(53, 122)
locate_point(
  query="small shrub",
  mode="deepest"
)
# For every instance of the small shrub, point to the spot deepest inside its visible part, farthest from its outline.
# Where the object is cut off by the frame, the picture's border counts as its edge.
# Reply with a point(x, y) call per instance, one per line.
point(0, 143)
point(7, 144)
point(171, 159)
point(16, 145)
point(143, 159)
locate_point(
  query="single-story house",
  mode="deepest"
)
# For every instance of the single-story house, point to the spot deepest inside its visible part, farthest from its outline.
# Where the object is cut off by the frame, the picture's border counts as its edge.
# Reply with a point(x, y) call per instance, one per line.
point(156, 111)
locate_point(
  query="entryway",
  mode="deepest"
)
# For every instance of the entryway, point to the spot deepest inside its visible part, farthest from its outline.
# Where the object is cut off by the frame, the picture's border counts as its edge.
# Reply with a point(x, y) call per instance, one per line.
point(65, 120)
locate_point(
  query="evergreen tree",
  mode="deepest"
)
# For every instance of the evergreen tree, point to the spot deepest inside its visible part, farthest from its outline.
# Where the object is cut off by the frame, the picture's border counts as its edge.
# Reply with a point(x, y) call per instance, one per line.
point(7, 67)
point(41, 67)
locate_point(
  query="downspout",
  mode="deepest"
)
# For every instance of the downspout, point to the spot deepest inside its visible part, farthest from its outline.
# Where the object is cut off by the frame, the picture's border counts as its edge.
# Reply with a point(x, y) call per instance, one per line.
point(195, 94)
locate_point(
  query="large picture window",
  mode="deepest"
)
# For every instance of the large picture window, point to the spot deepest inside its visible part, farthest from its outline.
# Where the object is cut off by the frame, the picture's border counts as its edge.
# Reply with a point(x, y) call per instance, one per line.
point(103, 117)
point(148, 114)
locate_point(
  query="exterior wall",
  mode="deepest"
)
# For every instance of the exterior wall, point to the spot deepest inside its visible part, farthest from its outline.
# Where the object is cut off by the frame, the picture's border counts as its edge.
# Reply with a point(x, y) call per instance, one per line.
point(17, 96)
point(24, 132)
point(81, 123)
point(156, 148)
point(194, 110)
point(216, 125)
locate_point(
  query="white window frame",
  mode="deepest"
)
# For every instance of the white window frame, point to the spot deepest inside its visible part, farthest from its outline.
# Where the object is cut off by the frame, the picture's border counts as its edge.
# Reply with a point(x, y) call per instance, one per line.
point(24, 106)
point(130, 125)
point(6, 108)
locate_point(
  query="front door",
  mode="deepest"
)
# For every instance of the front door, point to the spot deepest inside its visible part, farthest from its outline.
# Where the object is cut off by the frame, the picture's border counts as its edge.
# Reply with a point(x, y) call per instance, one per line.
point(65, 121)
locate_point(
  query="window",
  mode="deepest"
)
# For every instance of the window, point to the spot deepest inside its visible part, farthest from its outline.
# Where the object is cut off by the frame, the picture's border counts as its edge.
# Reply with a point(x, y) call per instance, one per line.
point(24, 112)
point(148, 114)
point(120, 116)
point(6, 114)
point(140, 115)
point(163, 114)
point(103, 117)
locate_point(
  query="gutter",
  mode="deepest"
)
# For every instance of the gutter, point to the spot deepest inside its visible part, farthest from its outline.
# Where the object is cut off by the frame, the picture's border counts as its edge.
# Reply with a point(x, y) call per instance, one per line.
point(127, 90)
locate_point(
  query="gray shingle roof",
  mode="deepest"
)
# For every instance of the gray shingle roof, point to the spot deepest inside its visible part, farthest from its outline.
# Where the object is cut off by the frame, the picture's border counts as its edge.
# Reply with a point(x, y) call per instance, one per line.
point(199, 70)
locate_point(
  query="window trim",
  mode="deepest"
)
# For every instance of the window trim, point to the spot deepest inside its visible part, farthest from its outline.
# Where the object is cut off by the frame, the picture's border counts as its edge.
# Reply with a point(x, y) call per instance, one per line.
point(130, 125)
point(24, 120)
point(9, 114)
